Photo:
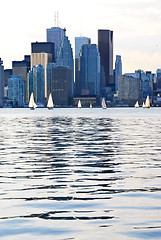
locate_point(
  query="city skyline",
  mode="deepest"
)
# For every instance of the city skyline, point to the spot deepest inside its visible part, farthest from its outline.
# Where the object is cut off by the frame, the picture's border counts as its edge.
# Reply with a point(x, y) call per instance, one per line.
point(135, 25)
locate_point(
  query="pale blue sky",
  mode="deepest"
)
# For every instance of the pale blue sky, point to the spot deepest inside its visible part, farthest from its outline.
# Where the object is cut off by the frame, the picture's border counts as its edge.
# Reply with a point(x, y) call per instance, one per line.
point(136, 25)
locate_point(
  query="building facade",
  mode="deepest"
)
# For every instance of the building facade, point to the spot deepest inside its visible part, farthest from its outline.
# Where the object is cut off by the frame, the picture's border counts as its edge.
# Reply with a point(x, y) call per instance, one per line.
point(21, 68)
point(1, 82)
point(41, 59)
point(79, 41)
point(158, 78)
point(7, 74)
point(16, 91)
point(118, 70)
point(44, 47)
point(36, 84)
point(147, 81)
point(89, 70)
point(55, 35)
point(105, 45)
point(65, 58)
point(129, 88)
point(61, 85)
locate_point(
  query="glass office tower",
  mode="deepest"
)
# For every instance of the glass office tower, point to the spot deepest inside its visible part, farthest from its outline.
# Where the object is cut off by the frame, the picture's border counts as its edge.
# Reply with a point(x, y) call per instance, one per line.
point(105, 45)
point(79, 41)
point(36, 83)
point(55, 35)
point(16, 91)
point(65, 58)
point(89, 70)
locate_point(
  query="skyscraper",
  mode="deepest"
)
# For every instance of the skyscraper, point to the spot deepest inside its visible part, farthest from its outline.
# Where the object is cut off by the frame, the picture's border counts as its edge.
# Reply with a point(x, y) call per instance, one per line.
point(36, 84)
point(118, 70)
point(79, 41)
point(89, 70)
point(65, 58)
point(105, 45)
point(1, 82)
point(55, 35)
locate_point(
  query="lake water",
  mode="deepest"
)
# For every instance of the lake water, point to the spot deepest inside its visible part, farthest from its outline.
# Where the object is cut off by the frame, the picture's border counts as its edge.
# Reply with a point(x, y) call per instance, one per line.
point(80, 174)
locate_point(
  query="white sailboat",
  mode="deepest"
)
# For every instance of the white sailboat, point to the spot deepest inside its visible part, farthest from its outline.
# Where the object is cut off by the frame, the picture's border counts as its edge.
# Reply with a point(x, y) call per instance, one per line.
point(103, 104)
point(79, 104)
point(50, 104)
point(137, 104)
point(90, 105)
point(143, 106)
point(147, 103)
point(32, 104)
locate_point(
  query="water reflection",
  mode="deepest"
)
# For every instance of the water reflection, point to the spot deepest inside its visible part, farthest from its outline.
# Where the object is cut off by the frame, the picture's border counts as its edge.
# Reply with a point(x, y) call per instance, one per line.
point(94, 176)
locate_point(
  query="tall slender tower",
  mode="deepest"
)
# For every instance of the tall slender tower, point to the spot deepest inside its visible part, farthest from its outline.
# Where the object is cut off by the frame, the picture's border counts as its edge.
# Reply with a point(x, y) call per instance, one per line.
point(79, 41)
point(105, 45)
point(65, 58)
point(118, 70)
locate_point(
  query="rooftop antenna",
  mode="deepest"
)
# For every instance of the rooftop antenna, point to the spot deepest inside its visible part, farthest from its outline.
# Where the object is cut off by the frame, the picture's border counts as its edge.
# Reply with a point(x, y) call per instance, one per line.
point(56, 19)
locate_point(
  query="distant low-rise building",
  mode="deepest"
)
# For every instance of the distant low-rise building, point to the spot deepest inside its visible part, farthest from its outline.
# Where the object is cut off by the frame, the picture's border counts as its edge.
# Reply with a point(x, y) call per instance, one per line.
point(129, 88)
point(147, 80)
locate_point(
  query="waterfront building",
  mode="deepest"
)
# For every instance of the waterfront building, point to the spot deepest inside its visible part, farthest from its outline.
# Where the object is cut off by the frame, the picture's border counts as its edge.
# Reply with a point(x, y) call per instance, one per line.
point(55, 35)
point(16, 91)
point(129, 88)
point(89, 70)
point(62, 93)
point(79, 41)
point(118, 70)
point(105, 46)
point(1, 82)
point(36, 84)
point(147, 80)
point(65, 58)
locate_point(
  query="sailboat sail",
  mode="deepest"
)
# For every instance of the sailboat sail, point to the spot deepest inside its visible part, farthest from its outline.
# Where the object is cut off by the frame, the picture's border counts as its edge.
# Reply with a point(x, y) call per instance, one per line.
point(50, 104)
point(137, 104)
point(90, 105)
point(103, 103)
point(147, 103)
point(32, 104)
point(143, 105)
point(79, 104)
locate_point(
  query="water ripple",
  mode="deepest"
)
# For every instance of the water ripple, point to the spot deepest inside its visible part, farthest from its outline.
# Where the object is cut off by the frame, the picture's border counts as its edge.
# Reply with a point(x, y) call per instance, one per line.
point(92, 175)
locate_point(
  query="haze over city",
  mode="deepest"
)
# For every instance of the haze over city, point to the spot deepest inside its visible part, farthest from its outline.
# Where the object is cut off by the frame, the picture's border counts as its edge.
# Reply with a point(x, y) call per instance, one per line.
point(136, 26)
